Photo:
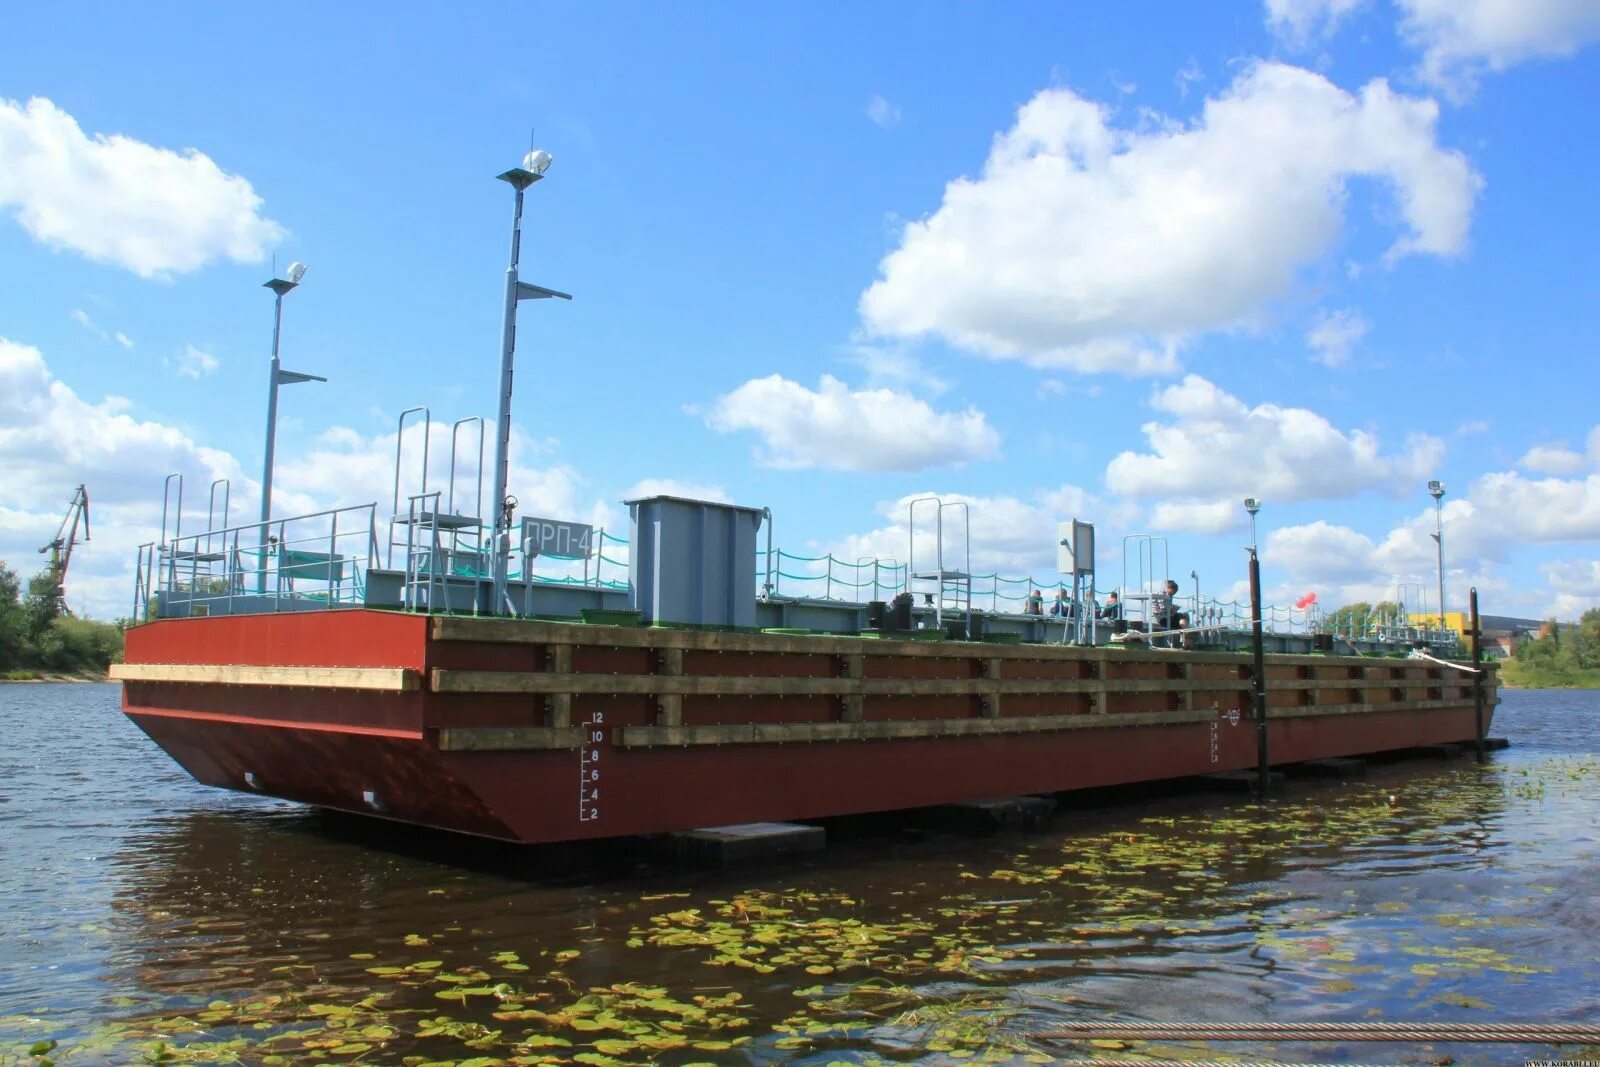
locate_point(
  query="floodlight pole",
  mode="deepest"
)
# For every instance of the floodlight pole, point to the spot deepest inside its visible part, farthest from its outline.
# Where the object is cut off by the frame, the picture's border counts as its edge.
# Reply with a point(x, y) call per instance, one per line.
point(278, 376)
point(1436, 490)
point(1252, 505)
point(519, 178)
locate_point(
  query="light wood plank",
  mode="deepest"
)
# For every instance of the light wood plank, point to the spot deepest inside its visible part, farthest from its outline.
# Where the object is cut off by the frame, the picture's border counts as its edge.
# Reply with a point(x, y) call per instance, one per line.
point(382, 679)
point(454, 681)
point(900, 729)
point(508, 738)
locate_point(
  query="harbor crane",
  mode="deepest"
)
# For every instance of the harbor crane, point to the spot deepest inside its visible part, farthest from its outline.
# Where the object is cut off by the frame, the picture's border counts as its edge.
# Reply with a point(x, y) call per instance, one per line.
point(60, 549)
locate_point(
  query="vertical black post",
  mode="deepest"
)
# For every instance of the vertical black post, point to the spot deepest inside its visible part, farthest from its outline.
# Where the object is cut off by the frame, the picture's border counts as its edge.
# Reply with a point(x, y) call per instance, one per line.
point(1477, 665)
point(1259, 675)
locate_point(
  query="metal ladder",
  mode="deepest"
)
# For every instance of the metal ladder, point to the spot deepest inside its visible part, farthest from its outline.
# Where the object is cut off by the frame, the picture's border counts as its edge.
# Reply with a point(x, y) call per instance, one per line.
point(948, 591)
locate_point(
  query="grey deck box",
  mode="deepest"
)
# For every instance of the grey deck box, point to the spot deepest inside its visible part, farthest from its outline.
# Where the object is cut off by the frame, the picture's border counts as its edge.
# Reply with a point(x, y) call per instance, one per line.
point(693, 561)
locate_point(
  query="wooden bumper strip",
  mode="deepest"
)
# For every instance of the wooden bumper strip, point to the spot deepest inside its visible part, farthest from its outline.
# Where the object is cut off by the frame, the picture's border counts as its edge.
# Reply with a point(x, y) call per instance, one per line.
point(380, 679)
point(508, 738)
point(452, 681)
point(902, 729)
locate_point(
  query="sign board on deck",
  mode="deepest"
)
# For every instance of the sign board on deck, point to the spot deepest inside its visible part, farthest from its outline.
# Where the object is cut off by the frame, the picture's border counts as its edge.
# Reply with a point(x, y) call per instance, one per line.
point(561, 540)
point(1076, 552)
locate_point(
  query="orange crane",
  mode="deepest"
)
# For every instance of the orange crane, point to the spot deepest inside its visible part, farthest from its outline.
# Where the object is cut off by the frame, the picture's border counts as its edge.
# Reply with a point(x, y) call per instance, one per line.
point(60, 549)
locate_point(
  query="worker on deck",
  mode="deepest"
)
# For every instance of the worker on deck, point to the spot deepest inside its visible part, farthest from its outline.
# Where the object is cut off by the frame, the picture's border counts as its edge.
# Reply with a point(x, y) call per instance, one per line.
point(1034, 605)
point(1164, 608)
point(1062, 608)
point(1112, 611)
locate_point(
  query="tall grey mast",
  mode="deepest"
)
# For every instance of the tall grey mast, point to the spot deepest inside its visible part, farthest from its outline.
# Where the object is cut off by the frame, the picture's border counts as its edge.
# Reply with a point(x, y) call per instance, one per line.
point(1436, 490)
point(276, 376)
point(519, 178)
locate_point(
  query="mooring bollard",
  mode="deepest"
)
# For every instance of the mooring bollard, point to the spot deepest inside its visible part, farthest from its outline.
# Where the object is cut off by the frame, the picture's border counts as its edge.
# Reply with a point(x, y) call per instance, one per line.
point(1259, 676)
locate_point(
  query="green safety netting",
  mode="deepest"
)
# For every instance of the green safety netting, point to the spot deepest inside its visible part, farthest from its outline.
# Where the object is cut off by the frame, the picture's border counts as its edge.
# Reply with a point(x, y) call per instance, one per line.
point(891, 577)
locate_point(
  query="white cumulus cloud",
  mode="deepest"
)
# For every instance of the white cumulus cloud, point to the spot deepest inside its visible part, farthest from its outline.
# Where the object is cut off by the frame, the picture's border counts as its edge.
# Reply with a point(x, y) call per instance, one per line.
point(1210, 446)
point(1459, 40)
point(51, 439)
point(1089, 245)
point(1298, 22)
point(1012, 536)
point(1552, 459)
point(1500, 513)
point(648, 487)
point(1462, 39)
point(1334, 334)
point(1320, 552)
point(119, 201)
point(835, 427)
point(1202, 517)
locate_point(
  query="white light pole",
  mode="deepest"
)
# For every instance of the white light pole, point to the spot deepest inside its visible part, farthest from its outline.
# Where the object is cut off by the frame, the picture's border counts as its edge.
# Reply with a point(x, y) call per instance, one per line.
point(278, 376)
point(534, 164)
point(1436, 490)
point(1252, 505)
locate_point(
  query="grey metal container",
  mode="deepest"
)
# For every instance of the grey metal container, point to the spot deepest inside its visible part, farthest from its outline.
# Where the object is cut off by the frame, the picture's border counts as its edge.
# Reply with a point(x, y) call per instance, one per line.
point(693, 561)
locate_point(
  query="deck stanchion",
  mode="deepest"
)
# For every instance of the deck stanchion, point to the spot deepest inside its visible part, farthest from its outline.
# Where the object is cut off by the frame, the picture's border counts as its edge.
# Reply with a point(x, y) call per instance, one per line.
point(1477, 665)
point(1258, 675)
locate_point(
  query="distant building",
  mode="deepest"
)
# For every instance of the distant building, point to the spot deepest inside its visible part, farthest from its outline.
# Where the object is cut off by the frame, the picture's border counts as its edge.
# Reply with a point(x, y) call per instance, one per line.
point(1500, 632)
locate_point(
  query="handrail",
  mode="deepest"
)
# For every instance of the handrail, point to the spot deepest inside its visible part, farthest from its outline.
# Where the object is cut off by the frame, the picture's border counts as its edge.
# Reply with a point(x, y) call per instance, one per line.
point(206, 571)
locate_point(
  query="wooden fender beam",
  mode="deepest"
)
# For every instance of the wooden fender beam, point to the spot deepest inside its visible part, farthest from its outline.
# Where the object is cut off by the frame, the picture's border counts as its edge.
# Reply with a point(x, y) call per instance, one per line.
point(454, 681)
point(899, 729)
point(380, 679)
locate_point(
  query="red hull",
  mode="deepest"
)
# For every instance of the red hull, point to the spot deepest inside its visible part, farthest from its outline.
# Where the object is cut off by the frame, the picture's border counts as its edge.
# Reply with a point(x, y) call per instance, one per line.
point(548, 732)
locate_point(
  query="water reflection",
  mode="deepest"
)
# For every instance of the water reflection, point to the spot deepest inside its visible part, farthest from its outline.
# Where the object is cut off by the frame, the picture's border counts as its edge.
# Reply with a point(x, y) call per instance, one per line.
point(232, 930)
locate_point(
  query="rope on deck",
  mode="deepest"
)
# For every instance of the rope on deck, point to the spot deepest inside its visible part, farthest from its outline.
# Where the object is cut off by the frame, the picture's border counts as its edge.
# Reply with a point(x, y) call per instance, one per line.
point(1505, 1033)
point(1145, 635)
point(1444, 662)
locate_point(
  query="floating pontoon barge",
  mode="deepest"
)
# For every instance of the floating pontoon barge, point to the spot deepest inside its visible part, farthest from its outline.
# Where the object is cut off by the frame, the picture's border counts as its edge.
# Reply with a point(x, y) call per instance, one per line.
point(424, 679)
point(547, 731)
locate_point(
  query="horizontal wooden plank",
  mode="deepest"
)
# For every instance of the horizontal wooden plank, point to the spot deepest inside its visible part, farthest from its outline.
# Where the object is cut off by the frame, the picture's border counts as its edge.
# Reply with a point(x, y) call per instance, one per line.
point(899, 729)
point(538, 632)
point(508, 738)
point(452, 681)
point(383, 679)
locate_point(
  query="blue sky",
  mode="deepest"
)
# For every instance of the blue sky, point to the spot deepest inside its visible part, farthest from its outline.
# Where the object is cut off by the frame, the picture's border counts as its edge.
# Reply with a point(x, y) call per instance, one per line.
point(1128, 265)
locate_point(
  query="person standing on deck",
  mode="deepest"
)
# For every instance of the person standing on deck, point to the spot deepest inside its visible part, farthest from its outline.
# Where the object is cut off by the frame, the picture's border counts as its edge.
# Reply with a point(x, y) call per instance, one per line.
point(1164, 610)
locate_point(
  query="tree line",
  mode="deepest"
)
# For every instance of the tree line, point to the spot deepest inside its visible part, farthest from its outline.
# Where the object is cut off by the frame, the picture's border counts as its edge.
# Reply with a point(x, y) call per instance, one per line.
point(1563, 656)
point(35, 635)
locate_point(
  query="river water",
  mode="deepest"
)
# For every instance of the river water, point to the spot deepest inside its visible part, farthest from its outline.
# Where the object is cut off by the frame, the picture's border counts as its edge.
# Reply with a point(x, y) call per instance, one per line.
point(145, 918)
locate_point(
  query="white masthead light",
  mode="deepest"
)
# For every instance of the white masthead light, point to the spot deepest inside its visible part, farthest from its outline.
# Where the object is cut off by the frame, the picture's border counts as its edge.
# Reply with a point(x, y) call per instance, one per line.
point(537, 161)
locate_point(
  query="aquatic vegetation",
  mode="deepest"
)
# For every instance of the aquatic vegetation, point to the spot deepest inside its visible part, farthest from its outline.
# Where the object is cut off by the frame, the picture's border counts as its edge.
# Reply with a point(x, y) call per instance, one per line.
point(1369, 898)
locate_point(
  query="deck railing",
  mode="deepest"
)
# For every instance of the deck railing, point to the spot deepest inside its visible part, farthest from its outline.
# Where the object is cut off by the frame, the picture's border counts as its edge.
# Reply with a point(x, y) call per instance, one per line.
point(323, 559)
point(317, 560)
